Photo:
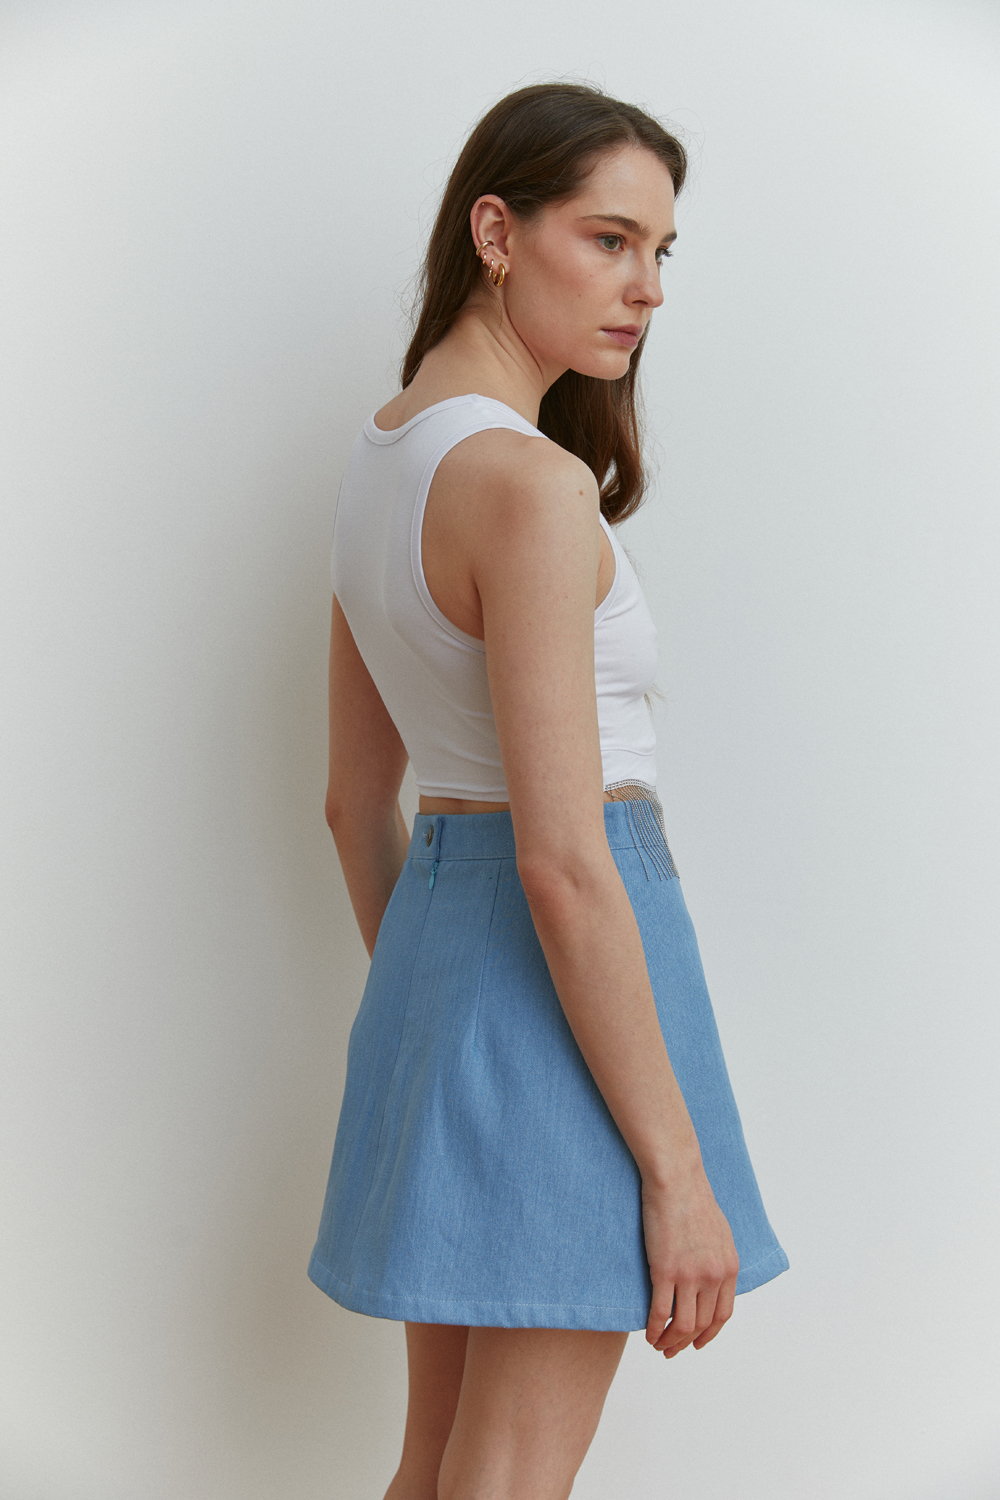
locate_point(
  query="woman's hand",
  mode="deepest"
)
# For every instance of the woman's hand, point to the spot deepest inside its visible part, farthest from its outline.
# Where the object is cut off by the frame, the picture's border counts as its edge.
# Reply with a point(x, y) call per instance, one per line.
point(692, 1261)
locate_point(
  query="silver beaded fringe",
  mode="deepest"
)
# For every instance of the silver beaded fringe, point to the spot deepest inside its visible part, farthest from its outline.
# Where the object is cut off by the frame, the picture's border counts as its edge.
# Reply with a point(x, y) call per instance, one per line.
point(645, 818)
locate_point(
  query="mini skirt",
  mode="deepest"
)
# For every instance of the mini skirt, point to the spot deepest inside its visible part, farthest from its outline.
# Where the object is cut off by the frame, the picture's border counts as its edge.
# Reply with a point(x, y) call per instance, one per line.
point(478, 1176)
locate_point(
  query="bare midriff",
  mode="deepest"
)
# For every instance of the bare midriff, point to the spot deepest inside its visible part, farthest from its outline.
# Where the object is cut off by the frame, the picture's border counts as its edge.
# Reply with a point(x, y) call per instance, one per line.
point(433, 805)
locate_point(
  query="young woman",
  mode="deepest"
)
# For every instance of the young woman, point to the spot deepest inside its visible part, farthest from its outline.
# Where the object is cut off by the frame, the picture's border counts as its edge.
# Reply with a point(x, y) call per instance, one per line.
point(538, 1148)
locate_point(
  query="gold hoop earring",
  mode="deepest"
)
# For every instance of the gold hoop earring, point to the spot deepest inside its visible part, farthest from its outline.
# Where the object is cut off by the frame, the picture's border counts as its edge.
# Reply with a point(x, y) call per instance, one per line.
point(496, 276)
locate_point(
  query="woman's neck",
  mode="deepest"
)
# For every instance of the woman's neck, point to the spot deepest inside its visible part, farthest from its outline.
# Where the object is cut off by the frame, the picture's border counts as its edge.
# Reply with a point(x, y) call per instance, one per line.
point(476, 356)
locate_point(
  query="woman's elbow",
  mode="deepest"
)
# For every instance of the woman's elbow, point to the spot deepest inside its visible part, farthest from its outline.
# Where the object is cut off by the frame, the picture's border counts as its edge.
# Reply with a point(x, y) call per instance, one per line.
point(556, 885)
point(338, 808)
point(353, 808)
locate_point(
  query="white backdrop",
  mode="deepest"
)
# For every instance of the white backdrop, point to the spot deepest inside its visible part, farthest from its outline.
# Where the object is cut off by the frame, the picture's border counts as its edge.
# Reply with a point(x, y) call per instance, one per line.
point(210, 214)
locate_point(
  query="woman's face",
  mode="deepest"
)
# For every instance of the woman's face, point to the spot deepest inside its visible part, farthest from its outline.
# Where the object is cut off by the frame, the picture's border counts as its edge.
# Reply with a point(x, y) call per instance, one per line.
point(584, 275)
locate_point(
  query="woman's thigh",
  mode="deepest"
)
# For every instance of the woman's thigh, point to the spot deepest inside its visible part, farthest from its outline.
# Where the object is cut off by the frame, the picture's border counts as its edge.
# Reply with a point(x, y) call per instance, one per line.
point(527, 1411)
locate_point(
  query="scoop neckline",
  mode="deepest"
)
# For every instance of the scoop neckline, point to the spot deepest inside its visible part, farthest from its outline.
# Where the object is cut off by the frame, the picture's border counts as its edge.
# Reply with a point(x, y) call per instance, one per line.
point(380, 435)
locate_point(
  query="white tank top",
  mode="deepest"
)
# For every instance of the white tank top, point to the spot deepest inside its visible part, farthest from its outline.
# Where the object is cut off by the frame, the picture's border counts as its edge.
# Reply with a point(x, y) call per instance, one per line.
point(432, 676)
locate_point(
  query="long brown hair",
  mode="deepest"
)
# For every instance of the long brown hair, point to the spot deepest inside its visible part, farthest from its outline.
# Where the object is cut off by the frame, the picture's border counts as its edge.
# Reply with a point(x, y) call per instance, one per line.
point(536, 147)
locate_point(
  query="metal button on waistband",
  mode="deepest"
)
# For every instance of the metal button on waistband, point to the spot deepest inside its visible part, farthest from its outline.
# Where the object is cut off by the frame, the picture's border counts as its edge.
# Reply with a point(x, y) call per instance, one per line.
point(429, 836)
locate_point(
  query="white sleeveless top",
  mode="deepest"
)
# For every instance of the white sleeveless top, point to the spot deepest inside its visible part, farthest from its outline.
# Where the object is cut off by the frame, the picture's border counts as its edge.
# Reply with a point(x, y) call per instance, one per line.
point(432, 676)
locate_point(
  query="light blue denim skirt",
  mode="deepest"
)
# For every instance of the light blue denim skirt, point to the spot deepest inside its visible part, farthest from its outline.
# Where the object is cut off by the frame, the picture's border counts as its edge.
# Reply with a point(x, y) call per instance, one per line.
point(478, 1176)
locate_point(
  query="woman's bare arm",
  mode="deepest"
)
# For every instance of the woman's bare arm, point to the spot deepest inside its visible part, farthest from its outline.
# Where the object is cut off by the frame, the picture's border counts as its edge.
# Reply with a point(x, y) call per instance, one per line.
point(367, 762)
point(528, 523)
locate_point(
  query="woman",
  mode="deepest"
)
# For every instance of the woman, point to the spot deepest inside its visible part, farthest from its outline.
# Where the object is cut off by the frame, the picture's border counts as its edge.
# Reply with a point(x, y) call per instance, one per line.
point(538, 1148)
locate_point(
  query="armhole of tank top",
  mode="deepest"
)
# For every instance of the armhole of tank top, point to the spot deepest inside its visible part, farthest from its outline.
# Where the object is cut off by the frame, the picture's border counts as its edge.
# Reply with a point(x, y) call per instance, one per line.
point(416, 550)
point(333, 533)
point(609, 597)
point(470, 642)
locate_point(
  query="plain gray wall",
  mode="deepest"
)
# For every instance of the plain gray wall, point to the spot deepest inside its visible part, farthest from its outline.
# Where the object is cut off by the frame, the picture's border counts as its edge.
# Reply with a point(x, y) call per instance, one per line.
point(210, 214)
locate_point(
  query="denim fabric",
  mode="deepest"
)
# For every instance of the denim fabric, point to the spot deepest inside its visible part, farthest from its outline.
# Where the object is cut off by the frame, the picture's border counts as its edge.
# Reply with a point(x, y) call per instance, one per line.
point(477, 1175)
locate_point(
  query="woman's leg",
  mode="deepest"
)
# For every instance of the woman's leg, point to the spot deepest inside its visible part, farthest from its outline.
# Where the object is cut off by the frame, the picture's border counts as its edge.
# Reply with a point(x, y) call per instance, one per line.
point(530, 1402)
point(435, 1358)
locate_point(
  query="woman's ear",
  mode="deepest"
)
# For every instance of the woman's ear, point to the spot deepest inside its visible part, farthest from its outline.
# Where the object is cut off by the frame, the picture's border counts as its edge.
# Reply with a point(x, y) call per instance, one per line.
point(490, 221)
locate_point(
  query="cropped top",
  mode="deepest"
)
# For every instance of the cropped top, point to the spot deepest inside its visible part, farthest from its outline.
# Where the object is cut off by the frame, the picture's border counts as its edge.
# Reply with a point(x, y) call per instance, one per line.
point(430, 675)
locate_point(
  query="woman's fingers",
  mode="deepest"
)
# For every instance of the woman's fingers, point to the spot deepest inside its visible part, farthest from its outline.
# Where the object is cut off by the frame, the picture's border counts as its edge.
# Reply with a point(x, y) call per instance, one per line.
point(660, 1311)
point(699, 1313)
point(723, 1312)
point(708, 1299)
point(684, 1324)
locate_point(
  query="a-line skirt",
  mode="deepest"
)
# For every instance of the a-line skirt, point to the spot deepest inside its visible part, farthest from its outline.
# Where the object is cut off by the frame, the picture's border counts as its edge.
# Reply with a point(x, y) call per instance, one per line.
point(478, 1176)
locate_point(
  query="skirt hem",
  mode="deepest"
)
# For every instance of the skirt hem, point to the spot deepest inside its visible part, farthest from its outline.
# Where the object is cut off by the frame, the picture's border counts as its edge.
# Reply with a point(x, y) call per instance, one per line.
point(482, 1313)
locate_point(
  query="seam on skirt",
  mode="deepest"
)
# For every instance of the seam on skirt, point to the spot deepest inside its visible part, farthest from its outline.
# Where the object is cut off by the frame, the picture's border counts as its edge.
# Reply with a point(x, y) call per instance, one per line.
point(392, 1074)
point(610, 1307)
point(486, 949)
point(775, 1257)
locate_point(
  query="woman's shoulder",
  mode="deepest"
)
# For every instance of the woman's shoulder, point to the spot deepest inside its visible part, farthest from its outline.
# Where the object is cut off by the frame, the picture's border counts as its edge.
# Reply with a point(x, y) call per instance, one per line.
point(501, 493)
point(516, 456)
point(516, 468)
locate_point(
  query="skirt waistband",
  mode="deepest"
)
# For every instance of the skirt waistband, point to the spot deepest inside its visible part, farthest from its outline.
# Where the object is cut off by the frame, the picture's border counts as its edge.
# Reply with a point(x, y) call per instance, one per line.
point(629, 824)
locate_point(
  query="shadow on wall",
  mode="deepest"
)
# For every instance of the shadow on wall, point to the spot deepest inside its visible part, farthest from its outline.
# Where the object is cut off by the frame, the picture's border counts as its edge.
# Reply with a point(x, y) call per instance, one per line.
point(290, 1373)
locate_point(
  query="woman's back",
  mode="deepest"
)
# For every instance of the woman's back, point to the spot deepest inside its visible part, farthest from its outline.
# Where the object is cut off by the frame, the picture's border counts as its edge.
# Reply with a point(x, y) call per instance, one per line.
point(431, 674)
